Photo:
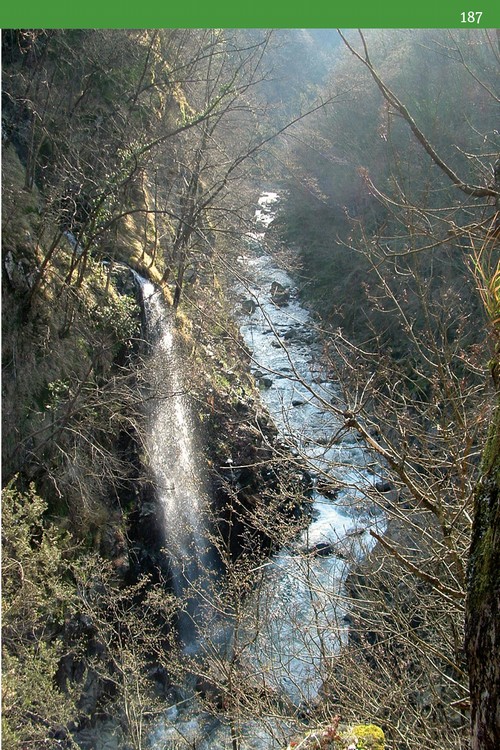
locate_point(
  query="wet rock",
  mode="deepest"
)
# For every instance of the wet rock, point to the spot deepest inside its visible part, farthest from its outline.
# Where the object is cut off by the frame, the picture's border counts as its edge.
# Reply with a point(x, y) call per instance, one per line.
point(17, 273)
point(248, 306)
point(327, 489)
point(292, 334)
point(210, 692)
point(280, 294)
point(9, 266)
point(190, 275)
point(148, 509)
point(105, 735)
point(265, 382)
point(390, 493)
point(349, 438)
point(323, 549)
point(243, 406)
point(383, 486)
point(263, 379)
point(306, 710)
point(160, 677)
point(323, 440)
point(299, 335)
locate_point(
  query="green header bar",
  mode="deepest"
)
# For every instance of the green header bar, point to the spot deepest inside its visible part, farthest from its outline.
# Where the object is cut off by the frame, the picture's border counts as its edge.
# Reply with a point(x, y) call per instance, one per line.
point(250, 14)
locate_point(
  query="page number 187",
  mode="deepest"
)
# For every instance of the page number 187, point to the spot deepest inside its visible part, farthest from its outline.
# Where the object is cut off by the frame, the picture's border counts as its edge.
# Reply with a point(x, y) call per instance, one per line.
point(471, 16)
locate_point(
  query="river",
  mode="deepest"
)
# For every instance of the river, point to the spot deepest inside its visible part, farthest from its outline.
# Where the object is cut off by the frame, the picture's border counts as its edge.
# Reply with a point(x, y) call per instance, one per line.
point(294, 623)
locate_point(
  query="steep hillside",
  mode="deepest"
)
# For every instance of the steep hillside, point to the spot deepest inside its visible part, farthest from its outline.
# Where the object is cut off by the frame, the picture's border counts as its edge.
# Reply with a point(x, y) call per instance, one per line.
point(111, 163)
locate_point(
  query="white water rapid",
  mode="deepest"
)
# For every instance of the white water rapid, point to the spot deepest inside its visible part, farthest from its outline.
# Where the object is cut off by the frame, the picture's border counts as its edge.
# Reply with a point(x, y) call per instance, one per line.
point(302, 622)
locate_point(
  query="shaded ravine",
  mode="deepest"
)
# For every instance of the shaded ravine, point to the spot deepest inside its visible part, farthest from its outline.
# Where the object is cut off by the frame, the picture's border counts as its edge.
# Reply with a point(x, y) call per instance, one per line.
point(294, 623)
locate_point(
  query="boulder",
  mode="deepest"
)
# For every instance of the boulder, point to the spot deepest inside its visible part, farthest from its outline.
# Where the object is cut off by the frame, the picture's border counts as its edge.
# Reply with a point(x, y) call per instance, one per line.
point(248, 306)
point(390, 493)
point(383, 486)
point(280, 294)
point(17, 273)
point(265, 382)
point(327, 489)
point(210, 692)
point(299, 335)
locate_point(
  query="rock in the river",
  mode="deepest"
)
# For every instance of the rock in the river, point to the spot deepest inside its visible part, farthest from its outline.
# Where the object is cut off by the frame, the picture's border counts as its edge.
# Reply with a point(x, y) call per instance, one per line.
point(299, 335)
point(280, 294)
point(265, 382)
point(248, 306)
point(390, 493)
point(327, 488)
point(383, 486)
point(323, 549)
point(292, 333)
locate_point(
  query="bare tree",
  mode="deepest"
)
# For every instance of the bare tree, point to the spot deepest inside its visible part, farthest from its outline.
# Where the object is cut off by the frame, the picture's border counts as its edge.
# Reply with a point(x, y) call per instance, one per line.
point(423, 412)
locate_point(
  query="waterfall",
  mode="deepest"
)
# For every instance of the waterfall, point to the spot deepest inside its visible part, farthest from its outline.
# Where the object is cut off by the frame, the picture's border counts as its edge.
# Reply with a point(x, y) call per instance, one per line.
point(292, 624)
point(176, 468)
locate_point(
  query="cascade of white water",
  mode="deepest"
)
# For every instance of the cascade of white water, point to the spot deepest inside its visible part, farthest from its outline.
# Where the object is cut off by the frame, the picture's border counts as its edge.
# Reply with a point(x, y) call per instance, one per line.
point(176, 466)
point(301, 618)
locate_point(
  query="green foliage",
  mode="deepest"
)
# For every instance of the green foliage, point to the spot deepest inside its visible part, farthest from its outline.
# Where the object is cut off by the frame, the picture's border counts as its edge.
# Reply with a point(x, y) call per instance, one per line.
point(486, 269)
point(58, 391)
point(34, 586)
point(35, 713)
point(117, 315)
point(38, 594)
point(48, 585)
point(338, 737)
point(368, 737)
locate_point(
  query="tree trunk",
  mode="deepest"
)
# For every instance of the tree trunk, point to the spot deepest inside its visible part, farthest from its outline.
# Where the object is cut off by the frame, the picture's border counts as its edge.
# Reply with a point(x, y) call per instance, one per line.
point(483, 604)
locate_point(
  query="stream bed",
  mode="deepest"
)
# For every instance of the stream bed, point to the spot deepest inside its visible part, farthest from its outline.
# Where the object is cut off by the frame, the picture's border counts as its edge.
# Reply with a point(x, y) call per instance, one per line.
point(304, 621)
point(294, 623)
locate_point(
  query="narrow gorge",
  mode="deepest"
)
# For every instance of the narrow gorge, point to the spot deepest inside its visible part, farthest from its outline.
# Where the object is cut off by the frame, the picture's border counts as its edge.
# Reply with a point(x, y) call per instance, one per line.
point(250, 310)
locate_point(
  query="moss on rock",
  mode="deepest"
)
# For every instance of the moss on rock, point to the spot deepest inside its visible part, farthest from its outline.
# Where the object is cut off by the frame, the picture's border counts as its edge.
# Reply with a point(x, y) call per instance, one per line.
point(336, 737)
point(368, 737)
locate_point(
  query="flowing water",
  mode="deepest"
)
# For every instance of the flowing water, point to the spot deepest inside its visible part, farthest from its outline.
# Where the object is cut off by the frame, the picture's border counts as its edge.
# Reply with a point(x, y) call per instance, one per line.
point(302, 622)
point(178, 473)
point(293, 625)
